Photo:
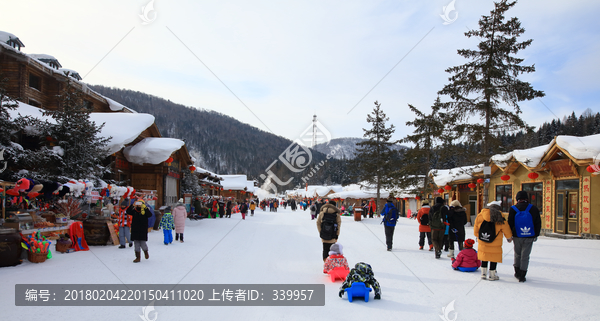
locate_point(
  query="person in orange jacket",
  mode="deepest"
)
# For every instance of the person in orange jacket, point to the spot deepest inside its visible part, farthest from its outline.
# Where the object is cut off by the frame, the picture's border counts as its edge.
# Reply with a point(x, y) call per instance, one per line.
point(424, 229)
point(491, 252)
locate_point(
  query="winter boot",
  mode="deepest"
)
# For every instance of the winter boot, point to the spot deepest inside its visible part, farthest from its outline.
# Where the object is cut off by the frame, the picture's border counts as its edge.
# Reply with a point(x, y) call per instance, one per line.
point(137, 257)
point(176, 236)
point(420, 247)
point(431, 247)
point(122, 246)
point(493, 276)
point(517, 272)
point(484, 273)
point(438, 254)
point(451, 254)
point(522, 276)
point(146, 255)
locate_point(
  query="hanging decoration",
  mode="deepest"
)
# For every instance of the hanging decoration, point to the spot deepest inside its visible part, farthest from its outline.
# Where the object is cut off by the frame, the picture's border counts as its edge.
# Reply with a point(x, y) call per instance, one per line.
point(533, 175)
point(192, 168)
point(480, 181)
point(472, 186)
point(418, 198)
point(448, 187)
point(169, 161)
point(593, 169)
point(505, 178)
point(441, 191)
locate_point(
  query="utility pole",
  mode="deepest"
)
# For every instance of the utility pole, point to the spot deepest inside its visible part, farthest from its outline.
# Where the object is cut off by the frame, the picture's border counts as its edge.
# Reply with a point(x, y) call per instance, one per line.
point(314, 131)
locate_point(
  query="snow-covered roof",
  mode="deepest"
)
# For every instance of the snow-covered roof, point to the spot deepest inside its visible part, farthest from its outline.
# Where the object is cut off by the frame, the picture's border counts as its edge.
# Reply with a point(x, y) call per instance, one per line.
point(250, 187)
point(152, 150)
point(113, 105)
point(7, 38)
point(587, 147)
point(47, 59)
point(530, 157)
point(72, 73)
point(360, 194)
point(234, 182)
point(123, 128)
point(442, 177)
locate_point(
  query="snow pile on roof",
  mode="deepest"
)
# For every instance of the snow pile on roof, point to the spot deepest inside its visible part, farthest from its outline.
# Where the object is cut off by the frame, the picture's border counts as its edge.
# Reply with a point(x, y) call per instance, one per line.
point(47, 59)
point(531, 157)
point(442, 177)
point(234, 182)
point(587, 147)
point(114, 106)
point(5, 37)
point(502, 159)
point(123, 128)
point(152, 150)
point(72, 73)
point(360, 194)
point(250, 188)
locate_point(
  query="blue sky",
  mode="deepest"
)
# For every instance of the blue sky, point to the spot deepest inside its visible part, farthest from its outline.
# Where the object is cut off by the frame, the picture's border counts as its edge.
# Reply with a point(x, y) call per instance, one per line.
point(289, 59)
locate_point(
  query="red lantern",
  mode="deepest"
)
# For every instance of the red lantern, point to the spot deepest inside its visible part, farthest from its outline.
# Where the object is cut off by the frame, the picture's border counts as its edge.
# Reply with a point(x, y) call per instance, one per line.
point(447, 187)
point(192, 168)
point(593, 169)
point(440, 191)
point(230, 190)
point(472, 186)
point(533, 176)
point(505, 178)
point(406, 199)
point(480, 181)
point(417, 197)
point(169, 161)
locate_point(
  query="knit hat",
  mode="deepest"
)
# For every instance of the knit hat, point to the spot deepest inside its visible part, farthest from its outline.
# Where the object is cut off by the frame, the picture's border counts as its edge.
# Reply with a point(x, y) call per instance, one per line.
point(497, 203)
point(439, 200)
point(336, 248)
point(425, 202)
point(469, 243)
point(522, 195)
point(455, 203)
point(180, 200)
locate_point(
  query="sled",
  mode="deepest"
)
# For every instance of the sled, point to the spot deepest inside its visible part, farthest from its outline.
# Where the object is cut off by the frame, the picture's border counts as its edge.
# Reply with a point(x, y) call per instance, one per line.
point(358, 289)
point(338, 273)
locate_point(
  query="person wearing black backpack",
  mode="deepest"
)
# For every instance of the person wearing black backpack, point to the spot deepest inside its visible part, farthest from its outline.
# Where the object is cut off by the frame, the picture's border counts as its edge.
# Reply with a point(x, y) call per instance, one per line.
point(489, 228)
point(329, 222)
point(390, 216)
point(525, 223)
point(437, 221)
point(424, 229)
point(457, 218)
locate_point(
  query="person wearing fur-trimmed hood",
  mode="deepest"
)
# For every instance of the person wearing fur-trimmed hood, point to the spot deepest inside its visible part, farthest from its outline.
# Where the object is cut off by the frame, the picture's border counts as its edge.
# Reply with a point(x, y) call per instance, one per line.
point(362, 272)
point(179, 216)
point(139, 227)
point(329, 209)
point(491, 252)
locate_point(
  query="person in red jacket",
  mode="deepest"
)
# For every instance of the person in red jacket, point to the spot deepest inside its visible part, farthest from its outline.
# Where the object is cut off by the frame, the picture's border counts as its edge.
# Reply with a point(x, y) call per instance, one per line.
point(467, 258)
point(424, 229)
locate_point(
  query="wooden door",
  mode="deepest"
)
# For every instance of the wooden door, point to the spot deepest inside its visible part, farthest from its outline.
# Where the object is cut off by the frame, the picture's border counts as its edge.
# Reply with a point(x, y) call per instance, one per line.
point(561, 212)
point(572, 212)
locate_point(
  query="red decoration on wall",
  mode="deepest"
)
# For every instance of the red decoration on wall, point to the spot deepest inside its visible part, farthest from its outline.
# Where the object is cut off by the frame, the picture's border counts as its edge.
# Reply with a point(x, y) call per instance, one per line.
point(593, 169)
point(533, 175)
point(417, 197)
point(480, 181)
point(505, 178)
point(441, 191)
point(472, 186)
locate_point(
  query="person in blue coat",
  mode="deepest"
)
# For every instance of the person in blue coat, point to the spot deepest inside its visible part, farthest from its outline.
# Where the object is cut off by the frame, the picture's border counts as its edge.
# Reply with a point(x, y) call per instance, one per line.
point(390, 217)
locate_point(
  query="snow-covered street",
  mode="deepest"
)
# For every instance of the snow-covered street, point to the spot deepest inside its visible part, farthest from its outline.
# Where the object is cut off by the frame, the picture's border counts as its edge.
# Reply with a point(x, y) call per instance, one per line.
point(563, 282)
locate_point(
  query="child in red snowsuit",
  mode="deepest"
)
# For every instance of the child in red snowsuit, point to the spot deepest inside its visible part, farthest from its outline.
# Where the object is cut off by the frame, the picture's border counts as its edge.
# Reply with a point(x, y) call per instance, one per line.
point(336, 258)
point(467, 258)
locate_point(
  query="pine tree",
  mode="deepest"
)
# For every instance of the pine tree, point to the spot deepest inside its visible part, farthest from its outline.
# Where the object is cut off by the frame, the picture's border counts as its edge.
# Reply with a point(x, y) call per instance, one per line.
point(374, 159)
point(421, 158)
point(80, 148)
point(478, 87)
point(190, 183)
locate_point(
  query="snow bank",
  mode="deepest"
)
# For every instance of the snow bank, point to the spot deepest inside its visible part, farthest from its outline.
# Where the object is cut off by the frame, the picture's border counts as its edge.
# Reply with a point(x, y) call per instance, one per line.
point(152, 150)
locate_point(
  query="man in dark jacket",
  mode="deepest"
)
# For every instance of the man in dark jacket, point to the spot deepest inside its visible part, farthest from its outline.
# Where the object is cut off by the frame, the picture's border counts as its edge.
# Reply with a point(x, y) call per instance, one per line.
point(437, 222)
point(523, 243)
point(390, 217)
point(139, 227)
point(457, 218)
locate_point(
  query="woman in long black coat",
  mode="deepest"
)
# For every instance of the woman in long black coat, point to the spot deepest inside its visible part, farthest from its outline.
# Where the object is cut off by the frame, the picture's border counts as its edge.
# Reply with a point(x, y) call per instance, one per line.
point(139, 228)
point(457, 218)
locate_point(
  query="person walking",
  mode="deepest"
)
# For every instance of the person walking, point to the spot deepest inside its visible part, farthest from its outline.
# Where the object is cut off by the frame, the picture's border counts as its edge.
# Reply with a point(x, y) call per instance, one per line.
point(139, 228)
point(167, 225)
point(457, 218)
point(329, 224)
point(525, 224)
point(424, 229)
point(229, 206)
point(252, 208)
point(390, 217)
point(437, 217)
point(493, 227)
point(313, 211)
point(179, 216)
point(244, 209)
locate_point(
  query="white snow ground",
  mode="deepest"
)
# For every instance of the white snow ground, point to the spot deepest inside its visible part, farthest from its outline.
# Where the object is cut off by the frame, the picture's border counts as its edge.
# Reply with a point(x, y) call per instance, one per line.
point(563, 282)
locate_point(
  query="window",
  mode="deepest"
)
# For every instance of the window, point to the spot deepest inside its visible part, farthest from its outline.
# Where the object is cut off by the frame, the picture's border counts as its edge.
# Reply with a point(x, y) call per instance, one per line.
point(35, 82)
point(567, 184)
point(535, 192)
point(504, 194)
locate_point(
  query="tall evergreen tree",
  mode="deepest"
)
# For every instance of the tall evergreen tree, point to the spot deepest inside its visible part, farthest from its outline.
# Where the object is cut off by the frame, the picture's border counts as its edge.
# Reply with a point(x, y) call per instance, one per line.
point(80, 148)
point(490, 78)
point(421, 158)
point(374, 156)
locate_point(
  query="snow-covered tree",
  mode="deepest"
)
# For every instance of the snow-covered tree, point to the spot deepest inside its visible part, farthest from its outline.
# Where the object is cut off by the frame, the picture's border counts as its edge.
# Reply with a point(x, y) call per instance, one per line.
point(190, 183)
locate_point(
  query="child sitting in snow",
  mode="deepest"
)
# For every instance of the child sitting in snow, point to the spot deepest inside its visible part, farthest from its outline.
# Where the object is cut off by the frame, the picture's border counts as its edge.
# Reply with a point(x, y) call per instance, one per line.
point(362, 272)
point(467, 258)
point(336, 258)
